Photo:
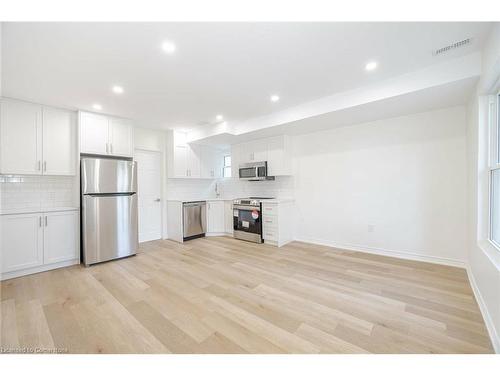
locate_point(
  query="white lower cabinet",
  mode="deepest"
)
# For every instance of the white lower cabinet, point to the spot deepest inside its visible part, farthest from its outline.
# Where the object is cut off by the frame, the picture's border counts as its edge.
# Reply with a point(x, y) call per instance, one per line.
point(228, 217)
point(277, 224)
point(60, 239)
point(37, 242)
point(21, 242)
point(215, 217)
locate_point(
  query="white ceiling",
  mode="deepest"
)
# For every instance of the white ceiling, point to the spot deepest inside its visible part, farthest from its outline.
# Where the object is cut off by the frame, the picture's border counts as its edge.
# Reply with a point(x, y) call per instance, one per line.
point(227, 68)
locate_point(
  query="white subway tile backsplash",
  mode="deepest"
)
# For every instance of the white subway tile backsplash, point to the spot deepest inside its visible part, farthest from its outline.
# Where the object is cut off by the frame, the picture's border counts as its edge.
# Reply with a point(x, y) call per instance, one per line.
point(229, 188)
point(36, 192)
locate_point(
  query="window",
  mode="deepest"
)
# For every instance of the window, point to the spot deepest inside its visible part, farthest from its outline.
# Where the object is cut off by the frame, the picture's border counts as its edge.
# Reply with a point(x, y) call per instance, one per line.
point(227, 166)
point(495, 171)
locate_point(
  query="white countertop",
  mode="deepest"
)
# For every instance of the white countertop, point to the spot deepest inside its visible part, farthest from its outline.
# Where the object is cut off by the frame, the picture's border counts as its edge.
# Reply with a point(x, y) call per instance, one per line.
point(276, 200)
point(36, 211)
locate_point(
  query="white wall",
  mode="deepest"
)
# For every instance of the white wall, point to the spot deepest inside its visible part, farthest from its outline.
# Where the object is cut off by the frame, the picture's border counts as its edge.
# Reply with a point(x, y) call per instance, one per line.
point(484, 260)
point(395, 185)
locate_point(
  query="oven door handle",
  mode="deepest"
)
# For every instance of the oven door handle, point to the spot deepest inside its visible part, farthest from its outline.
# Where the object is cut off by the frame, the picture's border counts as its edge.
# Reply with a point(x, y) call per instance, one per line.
point(245, 208)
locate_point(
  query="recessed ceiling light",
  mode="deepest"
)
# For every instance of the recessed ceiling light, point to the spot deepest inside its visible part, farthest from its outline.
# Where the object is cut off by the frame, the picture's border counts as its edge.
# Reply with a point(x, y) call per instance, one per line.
point(97, 107)
point(371, 65)
point(275, 98)
point(219, 117)
point(168, 46)
point(117, 89)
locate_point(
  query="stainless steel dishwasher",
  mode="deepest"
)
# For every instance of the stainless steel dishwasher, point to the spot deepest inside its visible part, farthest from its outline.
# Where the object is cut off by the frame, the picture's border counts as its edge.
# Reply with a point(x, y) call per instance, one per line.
point(194, 217)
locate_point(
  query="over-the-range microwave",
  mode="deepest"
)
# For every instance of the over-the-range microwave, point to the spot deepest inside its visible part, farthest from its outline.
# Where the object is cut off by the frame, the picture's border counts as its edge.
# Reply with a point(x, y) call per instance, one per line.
point(256, 171)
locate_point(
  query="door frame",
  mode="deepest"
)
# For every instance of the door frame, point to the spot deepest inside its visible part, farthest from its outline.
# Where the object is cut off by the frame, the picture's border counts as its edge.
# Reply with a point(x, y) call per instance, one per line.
point(162, 186)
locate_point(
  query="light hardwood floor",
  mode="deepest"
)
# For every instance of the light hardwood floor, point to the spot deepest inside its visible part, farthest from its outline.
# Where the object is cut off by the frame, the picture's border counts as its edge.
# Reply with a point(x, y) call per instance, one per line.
point(220, 295)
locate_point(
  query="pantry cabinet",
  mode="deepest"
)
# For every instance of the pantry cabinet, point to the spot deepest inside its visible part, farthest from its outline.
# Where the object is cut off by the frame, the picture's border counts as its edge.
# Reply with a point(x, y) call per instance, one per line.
point(105, 135)
point(36, 140)
point(275, 150)
point(36, 242)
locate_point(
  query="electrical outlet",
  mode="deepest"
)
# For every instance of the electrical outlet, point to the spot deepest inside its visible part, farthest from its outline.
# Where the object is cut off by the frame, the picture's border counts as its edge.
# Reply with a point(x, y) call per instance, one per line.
point(371, 228)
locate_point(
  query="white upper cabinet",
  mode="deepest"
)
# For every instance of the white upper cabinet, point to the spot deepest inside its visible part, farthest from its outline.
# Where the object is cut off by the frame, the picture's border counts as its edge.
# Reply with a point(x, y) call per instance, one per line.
point(59, 142)
point(279, 161)
point(194, 161)
point(212, 161)
point(191, 161)
point(180, 169)
point(274, 150)
point(35, 139)
point(93, 134)
point(120, 137)
point(20, 138)
point(104, 135)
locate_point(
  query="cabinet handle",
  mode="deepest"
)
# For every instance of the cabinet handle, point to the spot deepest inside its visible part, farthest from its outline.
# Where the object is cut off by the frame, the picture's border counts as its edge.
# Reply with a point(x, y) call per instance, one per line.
point(45, 166)
point(38, 165)
point(40, 221)
point(110, 148)
point(107, 147)
point(46, 221)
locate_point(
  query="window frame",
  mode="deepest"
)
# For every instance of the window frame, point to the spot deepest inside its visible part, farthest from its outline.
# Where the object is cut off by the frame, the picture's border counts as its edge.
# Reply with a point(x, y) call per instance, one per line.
point(494, 157)
point(224, 166)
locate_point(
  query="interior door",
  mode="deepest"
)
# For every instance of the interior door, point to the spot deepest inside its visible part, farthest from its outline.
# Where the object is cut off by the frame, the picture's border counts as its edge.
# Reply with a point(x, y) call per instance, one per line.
point(20, 138)
point(59, 142)
point(149, 194)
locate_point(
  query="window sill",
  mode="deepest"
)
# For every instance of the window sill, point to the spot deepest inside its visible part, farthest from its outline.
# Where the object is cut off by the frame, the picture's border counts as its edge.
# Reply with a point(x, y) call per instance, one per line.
point(491, 251)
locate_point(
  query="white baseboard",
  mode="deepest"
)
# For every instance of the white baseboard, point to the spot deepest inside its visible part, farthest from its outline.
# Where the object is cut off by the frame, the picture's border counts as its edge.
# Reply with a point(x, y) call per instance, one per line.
point(490, 326)
point(43, 268)
point(390, 253)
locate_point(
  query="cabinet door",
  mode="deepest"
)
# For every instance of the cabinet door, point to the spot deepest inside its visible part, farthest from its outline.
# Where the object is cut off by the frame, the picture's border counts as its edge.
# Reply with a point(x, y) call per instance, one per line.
point(194, 166)
point(20, 138)
point(236, 160)
point(259, 148)
point(215, 219)
point(180, 161)
point(120, 137)
point(228, 217)
point(21, 241)
point(275, 161)
point(211, 163)
point(59, 142)
point(93, 134)
point(60, 239)
point(217, 164)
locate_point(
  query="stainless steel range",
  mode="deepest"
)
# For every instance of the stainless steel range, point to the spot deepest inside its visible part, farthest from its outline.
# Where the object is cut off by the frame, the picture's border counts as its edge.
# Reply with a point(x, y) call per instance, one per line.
point(247, 219)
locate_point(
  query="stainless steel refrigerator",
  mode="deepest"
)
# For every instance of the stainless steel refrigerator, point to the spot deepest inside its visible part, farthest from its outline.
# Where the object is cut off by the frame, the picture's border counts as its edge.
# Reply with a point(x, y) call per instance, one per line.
point(109, 209)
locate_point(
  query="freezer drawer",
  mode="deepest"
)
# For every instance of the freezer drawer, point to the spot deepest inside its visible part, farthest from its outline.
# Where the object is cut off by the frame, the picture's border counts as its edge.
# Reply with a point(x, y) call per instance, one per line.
point(109, 227)
point(194, 219)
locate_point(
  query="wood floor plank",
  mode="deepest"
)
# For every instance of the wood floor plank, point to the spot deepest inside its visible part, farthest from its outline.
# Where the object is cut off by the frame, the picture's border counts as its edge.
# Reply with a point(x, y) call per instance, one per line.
point(221, 295)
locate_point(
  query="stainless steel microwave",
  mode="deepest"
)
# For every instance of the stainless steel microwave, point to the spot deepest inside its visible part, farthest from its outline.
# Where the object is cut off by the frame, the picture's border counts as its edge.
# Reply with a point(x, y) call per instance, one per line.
point(256, 171)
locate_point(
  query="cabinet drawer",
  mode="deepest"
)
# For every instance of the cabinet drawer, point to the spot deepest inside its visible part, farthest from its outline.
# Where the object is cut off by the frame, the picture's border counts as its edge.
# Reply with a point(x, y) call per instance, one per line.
point(270, 210)
point(270, 221)
point(270, 234)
